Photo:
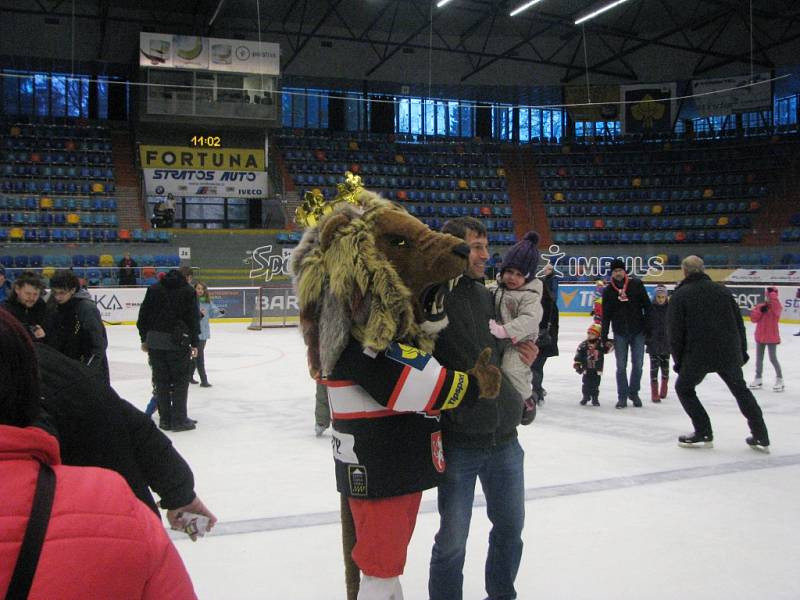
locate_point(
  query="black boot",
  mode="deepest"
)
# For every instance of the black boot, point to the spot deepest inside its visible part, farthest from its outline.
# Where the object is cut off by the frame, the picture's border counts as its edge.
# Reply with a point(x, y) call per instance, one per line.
point(584, 400)
point(696, 440)
point(595, 401)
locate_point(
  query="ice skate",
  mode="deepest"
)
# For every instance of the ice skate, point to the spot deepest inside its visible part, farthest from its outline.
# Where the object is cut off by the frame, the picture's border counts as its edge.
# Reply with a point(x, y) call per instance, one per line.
point(758, 444)
point(696, 440)
point(584, 400)
point(636, 401)
point(595, 401)
point(319, 430)
point(378, 588)
point(622, 404)
point(662, 393)
point(778, 387)
point(757, 384)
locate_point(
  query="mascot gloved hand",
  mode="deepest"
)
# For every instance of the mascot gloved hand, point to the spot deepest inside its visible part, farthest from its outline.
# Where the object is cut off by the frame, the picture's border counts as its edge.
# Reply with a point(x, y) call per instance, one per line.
point(371, 283)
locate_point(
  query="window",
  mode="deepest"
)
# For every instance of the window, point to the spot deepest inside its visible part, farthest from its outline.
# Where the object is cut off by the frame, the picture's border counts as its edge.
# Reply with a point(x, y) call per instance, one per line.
point(785, 112)
point(502, 123)
point(607, 129)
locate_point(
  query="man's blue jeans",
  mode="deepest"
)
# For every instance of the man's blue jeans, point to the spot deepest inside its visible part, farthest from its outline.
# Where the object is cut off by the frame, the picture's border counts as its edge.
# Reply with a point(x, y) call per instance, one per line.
point(621, 345)
point(500, 470)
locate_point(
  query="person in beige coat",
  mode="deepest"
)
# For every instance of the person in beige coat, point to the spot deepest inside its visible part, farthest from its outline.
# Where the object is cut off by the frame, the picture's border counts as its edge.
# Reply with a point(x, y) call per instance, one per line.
point(518, 302)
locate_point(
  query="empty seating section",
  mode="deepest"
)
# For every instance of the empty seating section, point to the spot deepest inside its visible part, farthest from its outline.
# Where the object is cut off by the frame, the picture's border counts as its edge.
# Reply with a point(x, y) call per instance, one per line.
point(95, 269)
point(434, 181)
point(660, 193)
point(792, 233)
point(56, 184)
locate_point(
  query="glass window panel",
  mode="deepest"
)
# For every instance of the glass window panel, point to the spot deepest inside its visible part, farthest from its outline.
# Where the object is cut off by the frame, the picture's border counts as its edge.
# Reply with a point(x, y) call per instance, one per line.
point(312, 110)
point(441, 118)
point(42, 94)
point(102, 97)
point(429, 117)
point(299, 111)
point(286, 107)
point(467, 111)
point(524, 125)
point(415, 120)
point(74, 97)
point(323, 111)
point(403, 115)
point(85, 97)
point(26, 96)
point(11, 95)
point(453, 119)
point(58, 97)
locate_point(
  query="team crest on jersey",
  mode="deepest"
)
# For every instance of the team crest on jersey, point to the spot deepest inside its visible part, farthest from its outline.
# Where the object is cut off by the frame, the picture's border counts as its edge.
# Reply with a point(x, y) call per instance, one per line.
point(437, 451)
point(408, 355)
point(357, 478)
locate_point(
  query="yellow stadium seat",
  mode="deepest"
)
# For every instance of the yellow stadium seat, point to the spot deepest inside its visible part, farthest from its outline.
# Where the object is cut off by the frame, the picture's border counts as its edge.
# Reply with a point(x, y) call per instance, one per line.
point(98, 188)
point(722, 221)
point(73, 219)
point(637, 182)
point(708, 193)
point(558, 197)
point(399, 158)
point(48, 272)
point(353, 145)
point(45, 203)
point(657, 209)
point(15, 131)
point(106, 260)
point(16, 234)
point(462, 184)
point(501, 172)
point(664, 258)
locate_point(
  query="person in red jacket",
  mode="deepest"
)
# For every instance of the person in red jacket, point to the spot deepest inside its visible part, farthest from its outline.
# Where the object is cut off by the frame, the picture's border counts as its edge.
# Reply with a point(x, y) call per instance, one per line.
point(100, 541)
point(766, 317)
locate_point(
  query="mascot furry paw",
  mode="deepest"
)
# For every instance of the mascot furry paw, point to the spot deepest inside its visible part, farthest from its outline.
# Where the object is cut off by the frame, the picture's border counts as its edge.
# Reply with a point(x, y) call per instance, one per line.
point(371, 282)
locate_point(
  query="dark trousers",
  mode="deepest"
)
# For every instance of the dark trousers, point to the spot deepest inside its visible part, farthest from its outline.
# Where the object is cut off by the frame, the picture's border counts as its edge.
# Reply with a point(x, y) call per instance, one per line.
point(537, 371)
point(689, 379)
point(171, 372)
point(659, 361)
point(200, 361)
point(591, 384)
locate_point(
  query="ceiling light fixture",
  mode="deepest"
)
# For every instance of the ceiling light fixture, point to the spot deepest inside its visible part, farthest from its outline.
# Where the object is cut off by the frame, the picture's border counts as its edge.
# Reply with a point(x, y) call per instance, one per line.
point(525, 6)
point(600, 10)
point(441, 3)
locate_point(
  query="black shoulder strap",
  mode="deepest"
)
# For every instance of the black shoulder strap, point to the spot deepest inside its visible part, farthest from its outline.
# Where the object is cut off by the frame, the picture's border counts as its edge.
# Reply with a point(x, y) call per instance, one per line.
point(31, 548)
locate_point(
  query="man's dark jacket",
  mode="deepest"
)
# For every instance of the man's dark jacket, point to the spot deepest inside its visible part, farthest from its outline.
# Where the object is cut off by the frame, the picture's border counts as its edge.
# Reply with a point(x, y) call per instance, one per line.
point(625, 318)
point(706, 330)
point(483, 423)
point(97, 428)
point(168, 306)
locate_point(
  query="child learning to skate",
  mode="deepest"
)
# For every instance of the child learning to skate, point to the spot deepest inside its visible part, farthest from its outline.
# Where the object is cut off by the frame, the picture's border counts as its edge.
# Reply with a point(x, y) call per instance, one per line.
point(766, 316)
point(589, 363)
point(658, 344)
point(518, 305)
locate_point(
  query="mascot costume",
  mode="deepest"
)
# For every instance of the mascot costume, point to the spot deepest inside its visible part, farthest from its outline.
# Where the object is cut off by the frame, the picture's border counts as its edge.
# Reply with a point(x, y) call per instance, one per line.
point(371, 282)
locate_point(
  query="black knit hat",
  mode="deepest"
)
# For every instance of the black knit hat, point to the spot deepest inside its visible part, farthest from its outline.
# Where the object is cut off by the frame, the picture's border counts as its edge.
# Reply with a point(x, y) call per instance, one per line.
point(617, 263)
point(523, 256)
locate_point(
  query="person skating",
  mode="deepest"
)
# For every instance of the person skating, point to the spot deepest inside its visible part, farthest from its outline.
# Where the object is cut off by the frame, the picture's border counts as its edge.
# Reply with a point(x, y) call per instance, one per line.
point(208, 311)
point(766, 316)
point(588, 362)
point(707, 335)
point(625, 308)
point(658, 345)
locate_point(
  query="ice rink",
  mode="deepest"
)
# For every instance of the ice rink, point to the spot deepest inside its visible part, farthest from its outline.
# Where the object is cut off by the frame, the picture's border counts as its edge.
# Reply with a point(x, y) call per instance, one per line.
point(615, 509)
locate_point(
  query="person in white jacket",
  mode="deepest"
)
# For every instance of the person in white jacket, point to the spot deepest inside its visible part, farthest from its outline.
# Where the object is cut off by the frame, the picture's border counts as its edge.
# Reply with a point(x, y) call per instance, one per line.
point(518, 301)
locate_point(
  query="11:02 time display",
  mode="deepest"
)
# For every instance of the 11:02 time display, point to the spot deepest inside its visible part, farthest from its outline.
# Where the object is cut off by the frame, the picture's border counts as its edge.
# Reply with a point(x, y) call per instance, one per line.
point(207, 141)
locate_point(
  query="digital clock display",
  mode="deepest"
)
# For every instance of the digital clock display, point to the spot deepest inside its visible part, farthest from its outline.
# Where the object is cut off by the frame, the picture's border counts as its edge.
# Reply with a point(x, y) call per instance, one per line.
point(206, 141)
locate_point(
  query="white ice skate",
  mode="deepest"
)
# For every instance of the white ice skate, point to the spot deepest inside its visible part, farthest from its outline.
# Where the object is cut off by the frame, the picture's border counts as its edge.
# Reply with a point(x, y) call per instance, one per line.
point(778, 387)
point(378, 588)
point(757, 383)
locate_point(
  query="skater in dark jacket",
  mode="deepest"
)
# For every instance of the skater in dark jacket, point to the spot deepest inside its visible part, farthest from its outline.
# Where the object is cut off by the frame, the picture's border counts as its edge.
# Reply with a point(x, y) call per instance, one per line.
point(658, 345)
point(589, 363)
point(26, 305)
point(169, 329)
point(706, 335)
point(625, 308)
point(74, 323)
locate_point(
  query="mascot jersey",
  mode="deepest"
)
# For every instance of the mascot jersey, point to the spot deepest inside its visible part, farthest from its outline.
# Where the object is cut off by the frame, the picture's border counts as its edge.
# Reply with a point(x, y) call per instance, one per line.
point(385, 411)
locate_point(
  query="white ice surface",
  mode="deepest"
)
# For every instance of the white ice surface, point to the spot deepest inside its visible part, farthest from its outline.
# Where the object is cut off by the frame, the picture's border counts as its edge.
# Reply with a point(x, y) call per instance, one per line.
point(615, 510)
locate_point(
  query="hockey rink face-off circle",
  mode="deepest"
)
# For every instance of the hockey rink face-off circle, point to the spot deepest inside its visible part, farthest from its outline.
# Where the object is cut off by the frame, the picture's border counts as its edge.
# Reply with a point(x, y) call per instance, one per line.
point(614, 508)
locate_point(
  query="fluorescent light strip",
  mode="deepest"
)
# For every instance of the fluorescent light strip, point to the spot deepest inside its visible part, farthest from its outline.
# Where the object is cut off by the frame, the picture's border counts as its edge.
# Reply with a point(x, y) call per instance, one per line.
point(525, 6)
point(441, 3)
point(600, 10)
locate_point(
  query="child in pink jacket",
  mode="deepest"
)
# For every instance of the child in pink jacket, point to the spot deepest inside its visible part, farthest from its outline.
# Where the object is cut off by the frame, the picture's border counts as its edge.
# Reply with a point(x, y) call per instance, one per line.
point(766, 316)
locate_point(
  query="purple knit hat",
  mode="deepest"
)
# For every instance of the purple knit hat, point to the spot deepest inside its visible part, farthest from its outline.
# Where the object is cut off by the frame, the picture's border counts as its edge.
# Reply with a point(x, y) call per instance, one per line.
point(523, 256)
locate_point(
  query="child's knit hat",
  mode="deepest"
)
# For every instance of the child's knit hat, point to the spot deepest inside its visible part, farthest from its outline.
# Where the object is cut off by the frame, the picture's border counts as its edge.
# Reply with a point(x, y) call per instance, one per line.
point(595, 328)
point(523, 256)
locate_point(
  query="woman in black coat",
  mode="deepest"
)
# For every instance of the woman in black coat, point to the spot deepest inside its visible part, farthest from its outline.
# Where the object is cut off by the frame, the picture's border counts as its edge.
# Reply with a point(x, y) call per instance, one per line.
point(548, 335)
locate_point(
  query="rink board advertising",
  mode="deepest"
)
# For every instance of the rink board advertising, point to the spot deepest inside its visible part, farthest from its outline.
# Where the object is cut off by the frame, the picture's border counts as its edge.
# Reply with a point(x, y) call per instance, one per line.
point(121, 305)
